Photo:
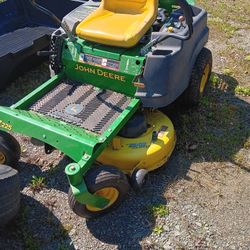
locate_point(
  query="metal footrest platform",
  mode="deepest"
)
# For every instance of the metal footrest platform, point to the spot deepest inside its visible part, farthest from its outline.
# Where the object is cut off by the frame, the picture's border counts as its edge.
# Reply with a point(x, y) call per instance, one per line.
point(82, 105)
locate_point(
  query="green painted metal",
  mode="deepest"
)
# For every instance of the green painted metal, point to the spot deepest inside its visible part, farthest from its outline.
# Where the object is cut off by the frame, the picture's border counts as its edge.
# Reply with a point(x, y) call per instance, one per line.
point(71, 140)
point(82, 195)
point(120, 80)
point(80, 189)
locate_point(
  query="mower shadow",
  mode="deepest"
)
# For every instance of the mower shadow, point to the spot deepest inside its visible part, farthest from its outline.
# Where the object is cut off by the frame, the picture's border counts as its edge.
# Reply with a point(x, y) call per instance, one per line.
point(54, 177)
point(35, 226)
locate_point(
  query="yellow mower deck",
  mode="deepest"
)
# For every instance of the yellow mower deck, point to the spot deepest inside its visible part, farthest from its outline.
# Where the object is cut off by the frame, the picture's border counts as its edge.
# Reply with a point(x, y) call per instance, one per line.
point(143, 152)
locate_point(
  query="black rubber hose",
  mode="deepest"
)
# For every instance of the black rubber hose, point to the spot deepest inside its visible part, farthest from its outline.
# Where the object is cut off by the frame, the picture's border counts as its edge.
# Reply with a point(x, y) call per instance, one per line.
point(46, 11)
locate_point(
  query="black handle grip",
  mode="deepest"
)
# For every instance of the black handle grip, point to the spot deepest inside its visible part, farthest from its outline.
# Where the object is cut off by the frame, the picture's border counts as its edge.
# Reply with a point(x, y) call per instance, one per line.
point(188, 13)
point(45, 53)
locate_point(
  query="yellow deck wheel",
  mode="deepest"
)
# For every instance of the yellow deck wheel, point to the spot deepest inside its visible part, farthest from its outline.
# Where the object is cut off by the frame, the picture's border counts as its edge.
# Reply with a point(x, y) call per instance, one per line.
point(105, 181)
point(109, 193)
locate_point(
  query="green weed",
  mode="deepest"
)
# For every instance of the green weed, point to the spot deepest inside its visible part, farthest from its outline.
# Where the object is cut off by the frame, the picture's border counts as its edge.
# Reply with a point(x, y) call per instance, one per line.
point(244, 91)
point(160, 210)
point(37, 183)
point(158, 230)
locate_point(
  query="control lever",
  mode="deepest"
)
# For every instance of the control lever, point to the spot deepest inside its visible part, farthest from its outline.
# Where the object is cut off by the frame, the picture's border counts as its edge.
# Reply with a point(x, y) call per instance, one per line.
point(188, 15)
point(45, 53)
point(54, 18)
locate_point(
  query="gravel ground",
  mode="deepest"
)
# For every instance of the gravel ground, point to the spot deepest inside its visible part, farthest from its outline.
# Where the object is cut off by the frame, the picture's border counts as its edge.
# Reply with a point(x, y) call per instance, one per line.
point(199, 200)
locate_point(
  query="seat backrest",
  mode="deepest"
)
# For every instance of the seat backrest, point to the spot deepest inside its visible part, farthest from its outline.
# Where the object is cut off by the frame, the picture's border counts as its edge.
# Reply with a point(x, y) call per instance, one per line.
point(126, 6)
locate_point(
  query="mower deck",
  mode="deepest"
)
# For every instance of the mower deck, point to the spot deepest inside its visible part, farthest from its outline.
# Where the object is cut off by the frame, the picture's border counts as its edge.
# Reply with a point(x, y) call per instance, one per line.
point(83, 105)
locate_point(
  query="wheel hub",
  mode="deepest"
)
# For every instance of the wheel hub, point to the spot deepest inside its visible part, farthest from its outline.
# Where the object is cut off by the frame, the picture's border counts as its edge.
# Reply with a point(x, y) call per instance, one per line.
point(2, 158)
point(109, 193)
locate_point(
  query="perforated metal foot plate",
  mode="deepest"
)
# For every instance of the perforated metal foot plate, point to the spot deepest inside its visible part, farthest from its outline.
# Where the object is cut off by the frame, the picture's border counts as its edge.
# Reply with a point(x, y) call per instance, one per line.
point(82, 105)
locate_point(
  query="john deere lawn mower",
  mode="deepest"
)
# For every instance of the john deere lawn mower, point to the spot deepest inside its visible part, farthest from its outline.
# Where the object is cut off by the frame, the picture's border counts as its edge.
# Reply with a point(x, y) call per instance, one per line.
point(114, 64)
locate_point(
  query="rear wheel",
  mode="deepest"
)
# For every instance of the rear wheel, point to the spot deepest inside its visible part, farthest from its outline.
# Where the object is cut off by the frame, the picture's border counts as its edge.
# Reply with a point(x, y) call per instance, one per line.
point(9, 194)
point(199, 78)
point(10, 150)
point(106, 181)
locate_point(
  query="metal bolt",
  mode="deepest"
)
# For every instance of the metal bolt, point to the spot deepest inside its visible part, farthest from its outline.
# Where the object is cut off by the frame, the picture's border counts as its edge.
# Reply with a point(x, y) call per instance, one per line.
point(101, 139)
point(86, 157)
point(72, 168)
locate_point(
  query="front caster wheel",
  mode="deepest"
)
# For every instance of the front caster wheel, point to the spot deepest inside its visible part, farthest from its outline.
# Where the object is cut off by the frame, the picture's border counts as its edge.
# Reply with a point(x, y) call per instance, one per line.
point(105, 181)
point(138, 179)
point(10, 150)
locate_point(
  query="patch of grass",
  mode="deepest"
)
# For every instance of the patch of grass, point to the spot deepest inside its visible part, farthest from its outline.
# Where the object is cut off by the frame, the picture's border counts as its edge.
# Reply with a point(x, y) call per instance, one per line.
point(214, 80)
point(37, 183)
point(228, 72)
point(62, 232)
point(218, 127)
point(23, 230)
point(239, 158)
point(225, 27)
point(244, 91)
point(247, 58)
point(158, 229)
point(65, 229)
point(30, 243)
point(159, 210)
point(247, 144)
point(227, 10)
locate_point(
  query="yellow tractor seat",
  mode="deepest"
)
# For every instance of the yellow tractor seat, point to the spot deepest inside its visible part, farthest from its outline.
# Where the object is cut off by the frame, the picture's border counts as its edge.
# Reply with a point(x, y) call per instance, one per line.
point(120, 23)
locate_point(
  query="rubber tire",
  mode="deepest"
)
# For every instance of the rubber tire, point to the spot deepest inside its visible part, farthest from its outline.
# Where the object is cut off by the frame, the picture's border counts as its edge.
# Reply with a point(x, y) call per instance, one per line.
point(9, 194)
point(138, 179)
point(10, 147)
point(97, 178)
point(192, 95)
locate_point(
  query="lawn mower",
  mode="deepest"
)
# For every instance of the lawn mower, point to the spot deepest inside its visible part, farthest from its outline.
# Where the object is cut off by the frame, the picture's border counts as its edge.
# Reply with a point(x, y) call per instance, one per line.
point(114, 64)
point(23, 31)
